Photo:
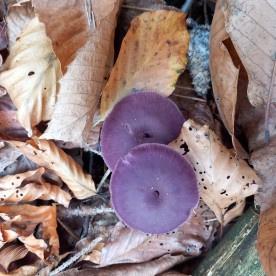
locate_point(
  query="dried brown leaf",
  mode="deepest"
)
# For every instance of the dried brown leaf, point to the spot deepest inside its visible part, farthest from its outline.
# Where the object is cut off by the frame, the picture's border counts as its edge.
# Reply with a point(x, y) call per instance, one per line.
point(20, 221)
point(150, 268)
point(152, 56)
point(12, 253)
point(225, 77)
point(8, 155)
point(127, 245)
point(48, 155)
point(18, 16)
point(254, 38)
point(266, 244)
point(69, 36)
point(223, 179)
point(81, 86)
point(32, 82)
point(29, 186)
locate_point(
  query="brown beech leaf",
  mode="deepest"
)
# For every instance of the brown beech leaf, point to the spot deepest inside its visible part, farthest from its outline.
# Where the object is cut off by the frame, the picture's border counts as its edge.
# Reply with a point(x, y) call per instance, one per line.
point(266, 244)
point(149, 268)
point(225, 76)
point(10, 128)
point(152, 56)
point(12, 253)
point(29, 186)
point(127, 245)
point(46, 154)
point(20, 221)
point(254, 38)
point(18, 16)
point(31, 81)
point(72, 34)
point(81, 85)
point(223, 180)
point(8, 155)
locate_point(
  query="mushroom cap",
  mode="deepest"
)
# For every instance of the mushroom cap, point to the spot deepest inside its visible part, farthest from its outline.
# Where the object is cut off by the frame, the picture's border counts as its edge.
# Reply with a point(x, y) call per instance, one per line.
point(153, 189)
point(144, 117)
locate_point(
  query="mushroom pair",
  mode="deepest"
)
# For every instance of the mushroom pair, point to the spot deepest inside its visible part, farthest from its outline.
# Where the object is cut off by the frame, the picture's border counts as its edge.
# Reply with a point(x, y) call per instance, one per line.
point(153, 188)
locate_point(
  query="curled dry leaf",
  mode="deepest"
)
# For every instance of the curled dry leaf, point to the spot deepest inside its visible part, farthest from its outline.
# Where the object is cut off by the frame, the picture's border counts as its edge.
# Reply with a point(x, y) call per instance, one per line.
point(46, 154)
point(224, 181)
point(152, 56)
point(18, 16)
point(253, 35)
point(32, 82)
point(266, 244)
point(20, 221)
point(8, 155)
point(225, 77)
point(127, 245)
point(11, 254)
point(29, 186)
point(81, 86)
point(153, 267)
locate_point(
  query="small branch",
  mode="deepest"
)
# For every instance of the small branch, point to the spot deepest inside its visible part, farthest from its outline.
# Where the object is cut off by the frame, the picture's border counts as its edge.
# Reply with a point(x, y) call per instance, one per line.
point(89, 211)
point(267, 134)
point(189, 97)
point(186, 6)
point(184, 87)
point(107, 173)
point(68, 230)
point(137, 8)
point(76, 257)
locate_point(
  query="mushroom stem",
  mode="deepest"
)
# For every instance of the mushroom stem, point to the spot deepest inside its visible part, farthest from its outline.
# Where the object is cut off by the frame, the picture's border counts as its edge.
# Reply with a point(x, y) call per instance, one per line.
point(107, 173)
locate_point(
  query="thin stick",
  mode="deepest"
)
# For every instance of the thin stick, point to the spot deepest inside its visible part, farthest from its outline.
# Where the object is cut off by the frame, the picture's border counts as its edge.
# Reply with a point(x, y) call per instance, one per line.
point(74, 258)
point(185, 87)
point(68, 229)
point(189, 97)
point(137, 8)
point(107, 173)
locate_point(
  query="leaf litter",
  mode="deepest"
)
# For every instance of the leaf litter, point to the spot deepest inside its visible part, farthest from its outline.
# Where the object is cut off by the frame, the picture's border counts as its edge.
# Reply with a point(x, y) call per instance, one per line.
point(42, 219)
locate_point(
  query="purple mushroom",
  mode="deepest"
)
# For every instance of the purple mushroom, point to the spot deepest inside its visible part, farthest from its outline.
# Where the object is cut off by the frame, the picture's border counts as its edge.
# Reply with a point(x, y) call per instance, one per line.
point(144, 117)
point(153, 189)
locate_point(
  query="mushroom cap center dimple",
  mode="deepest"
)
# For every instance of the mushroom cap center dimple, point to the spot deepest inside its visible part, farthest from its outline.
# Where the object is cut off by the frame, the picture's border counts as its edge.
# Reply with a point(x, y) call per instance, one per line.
point(156, 194)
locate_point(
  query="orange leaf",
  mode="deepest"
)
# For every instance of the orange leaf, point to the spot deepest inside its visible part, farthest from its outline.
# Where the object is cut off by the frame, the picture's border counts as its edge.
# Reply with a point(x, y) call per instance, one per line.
point(152, 56)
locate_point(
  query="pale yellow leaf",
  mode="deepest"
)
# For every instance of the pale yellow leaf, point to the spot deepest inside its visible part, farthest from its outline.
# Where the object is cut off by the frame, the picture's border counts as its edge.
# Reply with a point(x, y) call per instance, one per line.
point(18, 16)
point(12, 253)
point(47, 154)
point(152, 56)
point(30, 75)
point(224, 180)
point(30, 186)
point(81, 86)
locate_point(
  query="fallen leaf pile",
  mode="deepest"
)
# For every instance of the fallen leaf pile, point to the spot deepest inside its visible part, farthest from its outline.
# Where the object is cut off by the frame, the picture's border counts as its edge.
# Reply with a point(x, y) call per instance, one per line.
point(65, 64)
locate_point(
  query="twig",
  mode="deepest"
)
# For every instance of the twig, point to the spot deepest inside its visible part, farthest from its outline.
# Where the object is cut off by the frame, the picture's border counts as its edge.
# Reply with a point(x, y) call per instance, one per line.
point(107, 173)
point(68, 229)
point(185, 87)
point(89, 211)
point(189, 97)
point(267, 134)
point(137, 8)
point(186, 6)
point(208, 220)
point(76, 257)
point(205, 12)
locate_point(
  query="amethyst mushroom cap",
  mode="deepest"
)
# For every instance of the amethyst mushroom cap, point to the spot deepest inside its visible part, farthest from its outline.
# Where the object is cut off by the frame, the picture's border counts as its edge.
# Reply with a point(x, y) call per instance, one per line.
point(153, 189)
point(144, 117)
